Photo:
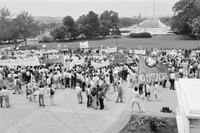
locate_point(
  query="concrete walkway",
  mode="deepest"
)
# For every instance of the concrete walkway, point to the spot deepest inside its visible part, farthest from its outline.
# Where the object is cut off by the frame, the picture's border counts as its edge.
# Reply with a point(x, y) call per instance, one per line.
point(70, 117)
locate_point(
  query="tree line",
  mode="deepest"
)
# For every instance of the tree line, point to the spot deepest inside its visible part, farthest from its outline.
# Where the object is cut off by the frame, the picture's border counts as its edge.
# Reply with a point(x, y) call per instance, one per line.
point(88, 26)
point(19, 27)
point(186, 19)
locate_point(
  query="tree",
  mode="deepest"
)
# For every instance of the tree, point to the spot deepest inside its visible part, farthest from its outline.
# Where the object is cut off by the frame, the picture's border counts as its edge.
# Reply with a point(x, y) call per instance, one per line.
point(92, 26)
point(26, 25)
point(82, 25)
point(59, 32)
point(71, 26)
point(110, 19)
point(103, 30)
point(4, 23)
point(185, 12)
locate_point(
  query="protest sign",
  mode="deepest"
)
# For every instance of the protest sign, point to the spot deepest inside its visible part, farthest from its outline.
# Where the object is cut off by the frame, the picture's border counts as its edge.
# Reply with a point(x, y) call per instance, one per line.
point(119, 58)
point(150, 70)
point(84, 44)
point(110, 50)
point(140, 51)
point(33, 61)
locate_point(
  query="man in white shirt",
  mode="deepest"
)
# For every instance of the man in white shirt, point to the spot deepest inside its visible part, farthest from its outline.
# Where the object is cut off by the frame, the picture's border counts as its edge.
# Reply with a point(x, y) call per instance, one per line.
point(41, 95)
point(136, 100)
point(172, 80)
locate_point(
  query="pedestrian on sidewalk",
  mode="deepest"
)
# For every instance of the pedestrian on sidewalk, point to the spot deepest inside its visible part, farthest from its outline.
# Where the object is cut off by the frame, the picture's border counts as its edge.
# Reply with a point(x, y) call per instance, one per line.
point(79, 93)
point(119, 93)
point(41, 95)
point(51, 94)
point(136, 97)
point(101, 98)
point(1, 98)
point(89, 96)
point(5, 93)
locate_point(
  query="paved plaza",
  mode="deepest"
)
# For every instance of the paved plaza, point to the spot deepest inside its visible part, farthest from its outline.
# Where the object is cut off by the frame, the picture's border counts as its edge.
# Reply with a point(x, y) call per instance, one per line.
point(70, 117)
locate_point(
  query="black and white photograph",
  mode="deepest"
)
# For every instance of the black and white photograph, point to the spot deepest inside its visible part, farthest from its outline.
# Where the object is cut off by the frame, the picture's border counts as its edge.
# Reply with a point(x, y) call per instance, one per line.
point(99, 66)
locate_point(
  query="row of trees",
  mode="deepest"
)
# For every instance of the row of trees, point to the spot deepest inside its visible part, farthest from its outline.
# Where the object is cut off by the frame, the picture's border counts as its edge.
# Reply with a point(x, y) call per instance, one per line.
point(186, 18)
point(19, 27)
point(88, 26)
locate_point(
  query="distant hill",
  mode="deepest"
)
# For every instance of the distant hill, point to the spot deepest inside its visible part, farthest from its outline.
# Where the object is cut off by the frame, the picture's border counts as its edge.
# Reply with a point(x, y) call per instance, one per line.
point(48, 20)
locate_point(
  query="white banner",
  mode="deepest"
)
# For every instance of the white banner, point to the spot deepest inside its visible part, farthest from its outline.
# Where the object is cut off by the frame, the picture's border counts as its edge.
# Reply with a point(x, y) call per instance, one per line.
point(140, 52)
point(33, 61)
point(84, 44)
point(98, 65)
point(110, 50)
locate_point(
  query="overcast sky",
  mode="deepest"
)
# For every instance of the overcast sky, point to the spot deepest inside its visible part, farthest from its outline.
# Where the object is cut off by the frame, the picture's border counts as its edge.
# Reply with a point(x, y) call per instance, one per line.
point(75, 8)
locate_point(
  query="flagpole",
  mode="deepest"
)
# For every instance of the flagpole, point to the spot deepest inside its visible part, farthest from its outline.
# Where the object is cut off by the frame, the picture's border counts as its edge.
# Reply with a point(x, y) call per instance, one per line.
point(138, 70)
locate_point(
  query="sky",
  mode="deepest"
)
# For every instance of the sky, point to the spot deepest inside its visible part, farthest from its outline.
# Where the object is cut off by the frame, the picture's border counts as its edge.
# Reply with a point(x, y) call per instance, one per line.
point(75, 8)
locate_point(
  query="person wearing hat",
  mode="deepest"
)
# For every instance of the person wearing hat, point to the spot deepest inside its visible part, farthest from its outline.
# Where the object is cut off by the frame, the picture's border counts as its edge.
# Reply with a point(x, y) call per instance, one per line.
point(79, 93)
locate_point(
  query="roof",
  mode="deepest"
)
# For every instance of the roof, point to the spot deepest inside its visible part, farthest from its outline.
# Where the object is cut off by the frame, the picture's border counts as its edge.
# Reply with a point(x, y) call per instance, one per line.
point(188, 93)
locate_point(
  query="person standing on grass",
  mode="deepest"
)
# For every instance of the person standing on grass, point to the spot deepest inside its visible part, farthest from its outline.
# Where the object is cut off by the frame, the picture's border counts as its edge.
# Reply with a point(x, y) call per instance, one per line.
point(41, 95)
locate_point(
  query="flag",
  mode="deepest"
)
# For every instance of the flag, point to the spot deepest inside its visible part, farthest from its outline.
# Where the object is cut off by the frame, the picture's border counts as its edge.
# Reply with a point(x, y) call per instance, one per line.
point(150, 70)
point(84, 44)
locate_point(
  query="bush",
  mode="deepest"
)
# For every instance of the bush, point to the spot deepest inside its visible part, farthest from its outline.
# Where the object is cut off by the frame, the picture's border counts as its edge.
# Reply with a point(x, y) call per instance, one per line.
point(140, 35)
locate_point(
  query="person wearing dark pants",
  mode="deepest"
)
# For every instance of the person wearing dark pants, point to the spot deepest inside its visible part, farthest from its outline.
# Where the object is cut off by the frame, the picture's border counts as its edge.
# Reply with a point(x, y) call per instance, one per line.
point(89, 96)
point(1, 98)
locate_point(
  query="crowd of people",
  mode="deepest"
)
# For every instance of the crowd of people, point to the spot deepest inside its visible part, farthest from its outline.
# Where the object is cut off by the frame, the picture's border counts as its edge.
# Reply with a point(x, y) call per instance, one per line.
point(93, 81)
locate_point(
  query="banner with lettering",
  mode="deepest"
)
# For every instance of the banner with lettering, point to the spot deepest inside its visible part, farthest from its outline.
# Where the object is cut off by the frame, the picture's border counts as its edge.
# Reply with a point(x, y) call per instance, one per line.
point(33, 61)
point(151, 70)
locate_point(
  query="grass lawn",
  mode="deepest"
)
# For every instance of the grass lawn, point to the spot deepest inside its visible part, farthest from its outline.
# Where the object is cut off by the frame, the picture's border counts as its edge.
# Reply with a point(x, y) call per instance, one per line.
point(155, 42)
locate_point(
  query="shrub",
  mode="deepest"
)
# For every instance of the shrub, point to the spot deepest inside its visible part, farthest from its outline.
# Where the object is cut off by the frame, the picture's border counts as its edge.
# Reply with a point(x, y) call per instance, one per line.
point(140, 35)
